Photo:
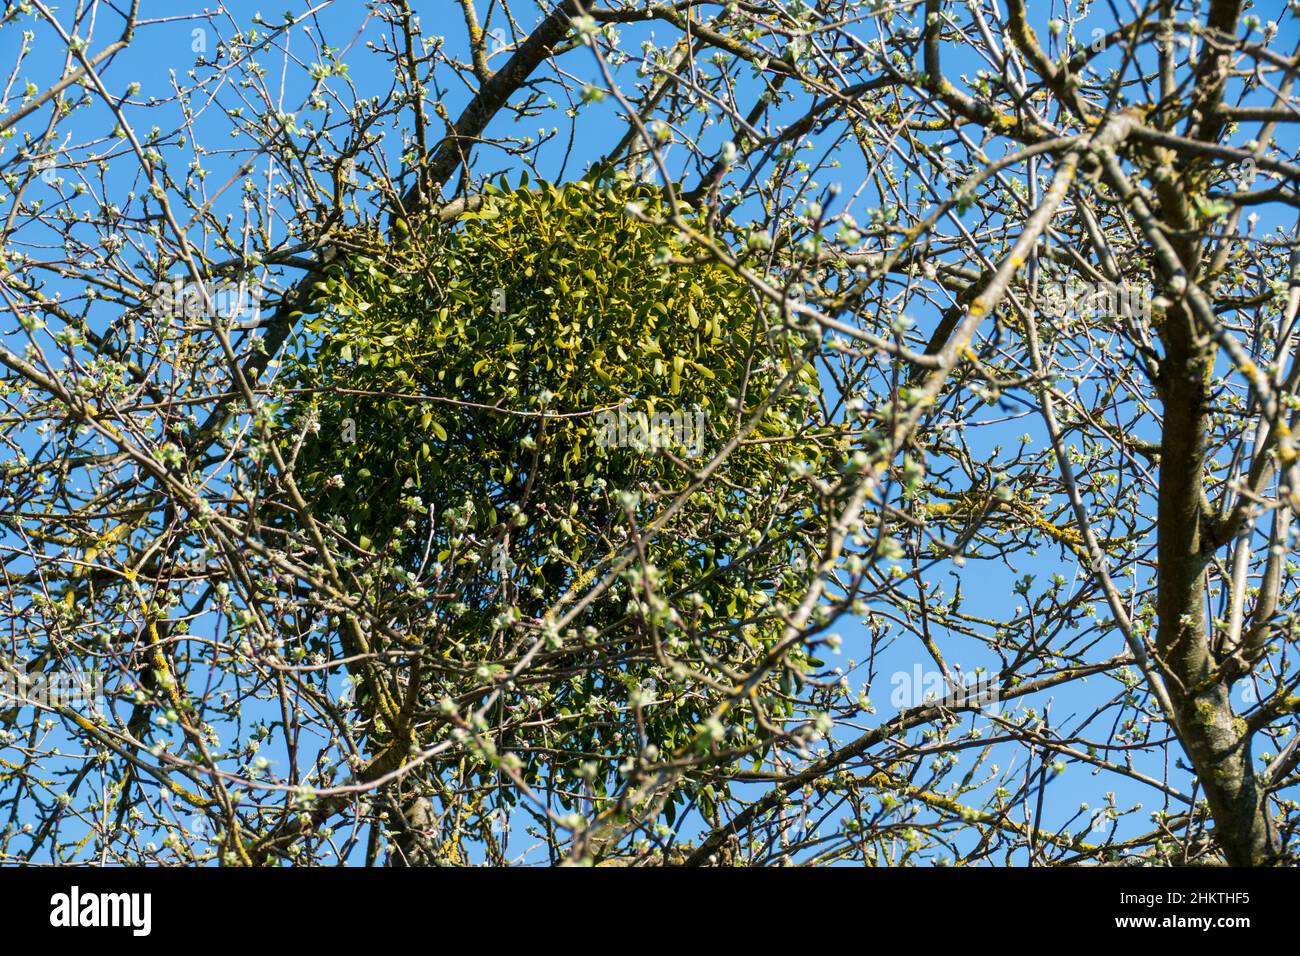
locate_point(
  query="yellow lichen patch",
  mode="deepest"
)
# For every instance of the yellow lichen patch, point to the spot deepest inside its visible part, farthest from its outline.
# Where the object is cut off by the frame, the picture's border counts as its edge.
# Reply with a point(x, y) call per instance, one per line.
point(968, 506)
point(895, 785)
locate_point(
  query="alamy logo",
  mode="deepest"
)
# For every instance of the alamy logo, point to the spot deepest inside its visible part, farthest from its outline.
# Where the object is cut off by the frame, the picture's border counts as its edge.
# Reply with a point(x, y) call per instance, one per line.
point(1089, 301)
point(50, 689)
point(77, 909)
point(677, 430)
point(178, 299)
point(920, 688)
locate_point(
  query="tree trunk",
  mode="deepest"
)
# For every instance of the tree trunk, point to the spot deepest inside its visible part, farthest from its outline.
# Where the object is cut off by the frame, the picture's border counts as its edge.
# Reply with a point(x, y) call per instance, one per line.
point(1215, 740)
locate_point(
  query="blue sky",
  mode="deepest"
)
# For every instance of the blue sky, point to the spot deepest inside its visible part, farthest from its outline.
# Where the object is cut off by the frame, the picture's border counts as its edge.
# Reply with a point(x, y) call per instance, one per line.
point(167, 50)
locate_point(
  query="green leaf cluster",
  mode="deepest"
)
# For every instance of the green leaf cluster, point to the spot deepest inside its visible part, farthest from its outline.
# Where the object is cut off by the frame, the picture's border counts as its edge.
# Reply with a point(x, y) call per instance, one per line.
point(481, 367)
